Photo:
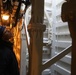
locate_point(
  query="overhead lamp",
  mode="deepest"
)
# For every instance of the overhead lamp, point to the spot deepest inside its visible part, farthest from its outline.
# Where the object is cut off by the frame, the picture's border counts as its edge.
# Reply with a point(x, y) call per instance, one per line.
point(5, 17)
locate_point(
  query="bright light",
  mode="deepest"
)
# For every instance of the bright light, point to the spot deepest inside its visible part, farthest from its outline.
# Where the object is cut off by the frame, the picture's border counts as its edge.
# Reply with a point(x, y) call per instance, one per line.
point(5, 17)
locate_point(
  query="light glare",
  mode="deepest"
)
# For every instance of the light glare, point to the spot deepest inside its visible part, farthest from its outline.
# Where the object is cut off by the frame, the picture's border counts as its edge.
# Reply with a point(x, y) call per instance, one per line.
point(5, 17)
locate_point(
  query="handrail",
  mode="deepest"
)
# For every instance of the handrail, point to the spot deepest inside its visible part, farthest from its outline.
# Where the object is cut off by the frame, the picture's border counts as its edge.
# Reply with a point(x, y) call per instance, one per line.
point(55, 58)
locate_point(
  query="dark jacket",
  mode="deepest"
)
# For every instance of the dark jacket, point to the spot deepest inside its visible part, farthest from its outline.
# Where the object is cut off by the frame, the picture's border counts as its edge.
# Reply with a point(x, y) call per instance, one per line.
point(8, 61)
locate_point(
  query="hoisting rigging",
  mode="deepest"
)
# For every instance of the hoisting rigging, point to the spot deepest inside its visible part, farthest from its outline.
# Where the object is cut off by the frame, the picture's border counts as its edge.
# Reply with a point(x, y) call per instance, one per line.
point(14, 9)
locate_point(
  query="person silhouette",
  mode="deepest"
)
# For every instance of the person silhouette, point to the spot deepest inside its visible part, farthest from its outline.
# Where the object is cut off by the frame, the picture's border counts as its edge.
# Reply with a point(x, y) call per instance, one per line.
point(8, 61)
